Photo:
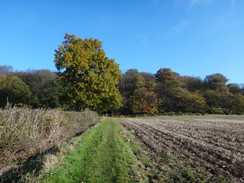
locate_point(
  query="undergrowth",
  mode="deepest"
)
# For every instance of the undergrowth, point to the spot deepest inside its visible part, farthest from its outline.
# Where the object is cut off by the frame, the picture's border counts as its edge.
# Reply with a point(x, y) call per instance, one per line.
point(25, 134)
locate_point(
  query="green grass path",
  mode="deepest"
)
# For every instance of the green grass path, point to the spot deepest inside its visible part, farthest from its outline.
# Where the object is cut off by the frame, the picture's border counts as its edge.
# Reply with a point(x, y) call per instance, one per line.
point(103, 155)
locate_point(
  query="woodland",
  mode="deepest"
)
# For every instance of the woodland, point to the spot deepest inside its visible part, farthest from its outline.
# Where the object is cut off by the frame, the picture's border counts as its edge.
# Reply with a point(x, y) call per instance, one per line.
point(87, 78)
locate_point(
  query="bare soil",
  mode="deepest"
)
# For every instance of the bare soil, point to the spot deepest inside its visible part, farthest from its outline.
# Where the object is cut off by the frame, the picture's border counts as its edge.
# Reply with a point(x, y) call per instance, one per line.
point(216, 145)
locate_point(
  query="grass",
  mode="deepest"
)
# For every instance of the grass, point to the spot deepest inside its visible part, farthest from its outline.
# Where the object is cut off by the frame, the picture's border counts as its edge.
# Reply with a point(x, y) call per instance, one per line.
point(104, 154)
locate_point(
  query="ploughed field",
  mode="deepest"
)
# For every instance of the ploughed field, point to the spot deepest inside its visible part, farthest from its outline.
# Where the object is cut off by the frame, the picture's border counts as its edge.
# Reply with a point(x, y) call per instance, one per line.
point(214, 145)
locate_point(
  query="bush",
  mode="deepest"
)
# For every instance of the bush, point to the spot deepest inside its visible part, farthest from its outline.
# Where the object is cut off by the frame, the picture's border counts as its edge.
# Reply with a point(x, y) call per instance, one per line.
point(216, 110)
point(25, 132)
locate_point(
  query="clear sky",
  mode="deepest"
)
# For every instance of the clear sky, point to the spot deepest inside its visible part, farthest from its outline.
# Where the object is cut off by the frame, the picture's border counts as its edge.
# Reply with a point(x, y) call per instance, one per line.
point(192, 37)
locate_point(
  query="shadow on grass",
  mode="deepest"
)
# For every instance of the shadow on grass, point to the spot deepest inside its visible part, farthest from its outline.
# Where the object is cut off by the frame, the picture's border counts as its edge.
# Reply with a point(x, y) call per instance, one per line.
point(32, 165)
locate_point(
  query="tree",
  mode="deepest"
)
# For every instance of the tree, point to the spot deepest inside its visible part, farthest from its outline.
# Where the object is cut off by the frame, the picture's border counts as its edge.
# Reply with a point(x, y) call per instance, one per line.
point(91, 77)
point(237, 102)
point(169, 78)
point(144, 99)
point(40, 81)
point(170, 90)
point(138, 92)
point(193, 83)
point(127, 86)
point(216, 81)
point(13, 90)
point(53, 96)
point(195, 103)
point(127, 83)
point(5, 69)
point(219, 100)
point(234, 88)
point(148, 77)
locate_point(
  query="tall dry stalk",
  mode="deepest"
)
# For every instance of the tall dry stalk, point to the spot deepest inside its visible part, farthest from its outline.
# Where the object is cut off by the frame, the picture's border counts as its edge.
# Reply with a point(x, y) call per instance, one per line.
point(25, 132)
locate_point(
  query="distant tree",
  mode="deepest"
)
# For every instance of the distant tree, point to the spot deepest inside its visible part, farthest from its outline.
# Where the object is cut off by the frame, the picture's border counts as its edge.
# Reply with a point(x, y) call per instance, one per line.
point(127, 86)
point(234, 88)
point(53, 96)
point(193, 83)
point(91, 77)
point(168, 78)
point(195, 103)
point(5, 69)
point(144, 99)
point(170, 90)
point(148, 77)
point(218, 99)
point(217, 94)
point(13, 90)
point(127, 83)
point(216, 81)
point(39, 81)
point(237, 102)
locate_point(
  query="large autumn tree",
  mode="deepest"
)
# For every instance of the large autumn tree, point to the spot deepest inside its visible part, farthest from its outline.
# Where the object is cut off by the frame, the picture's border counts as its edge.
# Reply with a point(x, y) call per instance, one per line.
point(90, 76)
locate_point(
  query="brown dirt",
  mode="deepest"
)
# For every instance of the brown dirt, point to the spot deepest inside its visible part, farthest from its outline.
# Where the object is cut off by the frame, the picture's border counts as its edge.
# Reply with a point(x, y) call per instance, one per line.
point(216, 145)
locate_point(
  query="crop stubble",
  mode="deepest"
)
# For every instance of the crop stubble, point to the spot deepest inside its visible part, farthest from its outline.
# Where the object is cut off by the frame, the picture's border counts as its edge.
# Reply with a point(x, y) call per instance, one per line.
point(216, 145)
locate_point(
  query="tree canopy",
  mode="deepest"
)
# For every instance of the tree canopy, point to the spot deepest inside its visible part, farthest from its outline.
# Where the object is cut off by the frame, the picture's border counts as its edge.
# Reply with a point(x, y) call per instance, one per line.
point(91, 76)
point(165, 92)
point(13, 90)
point(216, 81)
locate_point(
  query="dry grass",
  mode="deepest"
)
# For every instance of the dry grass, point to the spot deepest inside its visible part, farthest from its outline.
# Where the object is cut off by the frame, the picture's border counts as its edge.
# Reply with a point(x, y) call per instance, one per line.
point(26, 132)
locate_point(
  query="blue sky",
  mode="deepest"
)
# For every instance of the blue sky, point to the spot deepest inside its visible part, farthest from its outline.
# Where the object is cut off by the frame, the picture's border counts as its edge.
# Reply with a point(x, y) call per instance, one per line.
point(192, 37)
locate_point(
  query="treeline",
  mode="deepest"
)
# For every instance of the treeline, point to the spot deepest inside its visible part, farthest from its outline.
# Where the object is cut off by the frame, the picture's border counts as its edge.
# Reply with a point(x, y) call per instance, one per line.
point(31, 88)
point(142, 93)
point(168, 92)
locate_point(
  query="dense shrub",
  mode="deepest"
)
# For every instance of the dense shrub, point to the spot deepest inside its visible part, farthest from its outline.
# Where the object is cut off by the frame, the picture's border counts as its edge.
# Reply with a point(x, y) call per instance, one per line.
point(25, 132)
